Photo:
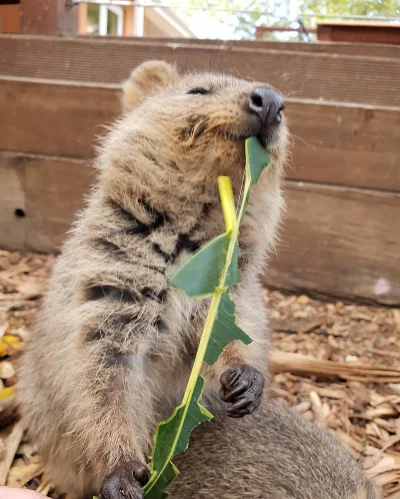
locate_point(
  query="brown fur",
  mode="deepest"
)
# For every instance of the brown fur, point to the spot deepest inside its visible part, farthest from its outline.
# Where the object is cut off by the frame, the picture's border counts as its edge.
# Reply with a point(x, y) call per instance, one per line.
point(148, 79)
point(272, 454)
point(114, 342)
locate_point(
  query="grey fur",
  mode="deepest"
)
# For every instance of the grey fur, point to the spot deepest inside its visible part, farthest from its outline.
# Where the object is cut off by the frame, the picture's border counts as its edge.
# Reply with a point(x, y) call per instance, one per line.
point(272, 454)
point(114, 342)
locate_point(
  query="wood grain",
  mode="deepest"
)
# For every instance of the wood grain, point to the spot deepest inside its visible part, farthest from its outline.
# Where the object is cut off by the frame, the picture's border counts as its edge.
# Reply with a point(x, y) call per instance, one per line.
point(302, 74)
point(339, 241)
point(343, 48)
point(338, 144)
point(49, 190)
point(307, 366)
point(57, 119)
point(48, 17)
point(55, 192)
point(359, 32)
point(345, 145)
point(12, 197)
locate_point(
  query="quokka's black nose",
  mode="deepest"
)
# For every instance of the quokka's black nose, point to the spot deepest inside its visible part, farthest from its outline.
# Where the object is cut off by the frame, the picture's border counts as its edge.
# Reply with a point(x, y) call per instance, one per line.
point(267, 104)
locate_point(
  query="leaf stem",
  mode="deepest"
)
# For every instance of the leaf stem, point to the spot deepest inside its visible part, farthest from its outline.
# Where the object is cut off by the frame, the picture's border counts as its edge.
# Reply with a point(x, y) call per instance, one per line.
point(227, 201)
point(228, 206)
point(198, 361)
point(231, 223)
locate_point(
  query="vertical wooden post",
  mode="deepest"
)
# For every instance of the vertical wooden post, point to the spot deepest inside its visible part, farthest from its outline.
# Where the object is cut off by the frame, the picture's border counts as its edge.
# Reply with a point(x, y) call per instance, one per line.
point(128, 21)
point(10, 19)
point(48, 17)
point(82, 17)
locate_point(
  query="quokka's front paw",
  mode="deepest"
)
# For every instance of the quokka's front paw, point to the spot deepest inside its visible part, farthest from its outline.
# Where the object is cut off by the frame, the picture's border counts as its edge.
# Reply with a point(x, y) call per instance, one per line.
point(125, 482)
point(242, 386)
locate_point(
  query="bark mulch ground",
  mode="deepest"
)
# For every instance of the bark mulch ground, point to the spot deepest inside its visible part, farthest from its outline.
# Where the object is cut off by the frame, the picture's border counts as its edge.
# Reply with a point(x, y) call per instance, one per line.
point(338, 363)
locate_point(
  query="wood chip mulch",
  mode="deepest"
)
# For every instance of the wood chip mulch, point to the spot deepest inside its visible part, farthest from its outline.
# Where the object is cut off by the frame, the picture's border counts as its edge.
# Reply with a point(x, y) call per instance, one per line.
point(338, 363)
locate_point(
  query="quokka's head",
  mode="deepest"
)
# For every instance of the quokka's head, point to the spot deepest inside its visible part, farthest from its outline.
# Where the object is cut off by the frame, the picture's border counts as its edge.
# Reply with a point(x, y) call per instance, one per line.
point(201, 120)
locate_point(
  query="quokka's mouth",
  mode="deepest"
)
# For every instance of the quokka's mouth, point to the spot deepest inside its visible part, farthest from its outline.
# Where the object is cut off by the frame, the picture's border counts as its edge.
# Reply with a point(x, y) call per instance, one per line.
point(254, 127)
point(267, 138)
point(265, 133)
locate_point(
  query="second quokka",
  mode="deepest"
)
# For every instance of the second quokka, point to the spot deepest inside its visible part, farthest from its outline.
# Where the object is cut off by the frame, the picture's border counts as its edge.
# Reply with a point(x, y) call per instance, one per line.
point(114, 342)
point(274, 454)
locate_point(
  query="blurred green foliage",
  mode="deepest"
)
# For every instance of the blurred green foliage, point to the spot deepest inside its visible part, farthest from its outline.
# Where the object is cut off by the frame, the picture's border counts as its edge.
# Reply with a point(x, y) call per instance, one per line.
point(285, 12)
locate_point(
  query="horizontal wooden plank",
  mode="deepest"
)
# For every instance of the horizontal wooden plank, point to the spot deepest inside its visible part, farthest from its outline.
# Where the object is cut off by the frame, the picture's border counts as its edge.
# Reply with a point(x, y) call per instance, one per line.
point(339, 241)
point(39, 198)
point(345, 145)
point(55, 190)
point(308, 75)
point(335, 240)
point(339, 144)
point(359, 32)
point(57, 119)
point(343, 48)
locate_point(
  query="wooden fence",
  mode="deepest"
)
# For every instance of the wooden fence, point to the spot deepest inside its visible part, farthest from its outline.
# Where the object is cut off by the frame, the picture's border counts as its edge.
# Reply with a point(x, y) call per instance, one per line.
point(341, 234)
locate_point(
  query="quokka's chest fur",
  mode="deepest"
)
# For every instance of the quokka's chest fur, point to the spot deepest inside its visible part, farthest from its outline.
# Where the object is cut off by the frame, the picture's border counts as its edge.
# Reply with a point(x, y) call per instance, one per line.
point(121, 259)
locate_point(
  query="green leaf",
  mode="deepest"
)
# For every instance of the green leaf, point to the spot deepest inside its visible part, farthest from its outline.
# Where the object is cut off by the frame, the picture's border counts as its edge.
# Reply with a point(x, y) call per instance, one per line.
point(233, 275)
point(256, 159)
point(245, 201)
point(210, 271)
point(200, 275)
point(158, 491)
point(224, 330)
point(172, 438)
point(195, 415)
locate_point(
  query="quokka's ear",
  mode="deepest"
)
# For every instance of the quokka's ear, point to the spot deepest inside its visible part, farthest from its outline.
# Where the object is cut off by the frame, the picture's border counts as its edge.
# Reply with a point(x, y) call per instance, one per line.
point(146, 79)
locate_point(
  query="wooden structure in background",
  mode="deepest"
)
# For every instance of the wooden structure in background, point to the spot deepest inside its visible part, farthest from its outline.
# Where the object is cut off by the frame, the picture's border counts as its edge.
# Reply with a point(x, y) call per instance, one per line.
point(10, 21)
point(50, 17)
point(263, 30)
point(359, 32)
point(341, 234)
point(307, 71)
point(60, 17)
